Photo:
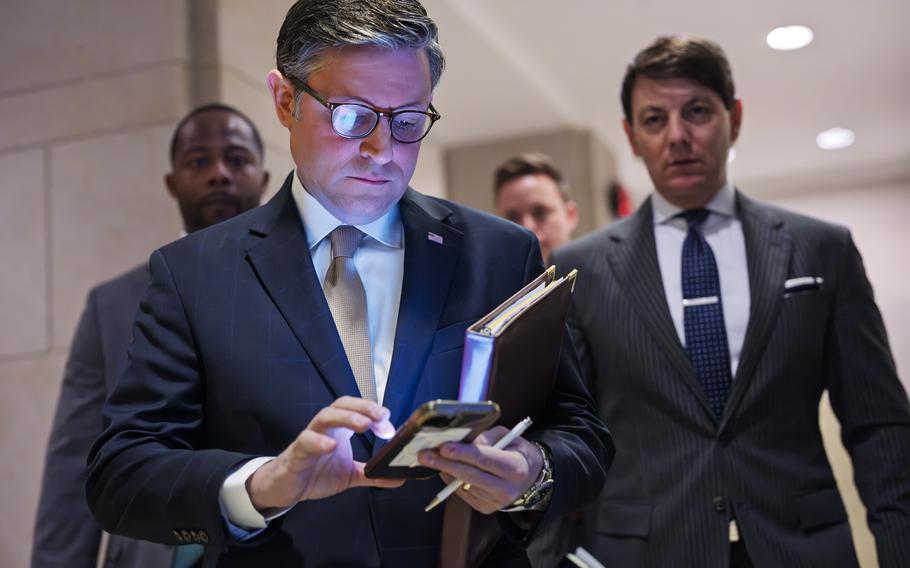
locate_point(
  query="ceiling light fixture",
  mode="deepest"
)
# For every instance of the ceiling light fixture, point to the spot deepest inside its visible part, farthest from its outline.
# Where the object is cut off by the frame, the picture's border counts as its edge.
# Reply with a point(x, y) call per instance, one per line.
point(835, 138)
point(788, 38)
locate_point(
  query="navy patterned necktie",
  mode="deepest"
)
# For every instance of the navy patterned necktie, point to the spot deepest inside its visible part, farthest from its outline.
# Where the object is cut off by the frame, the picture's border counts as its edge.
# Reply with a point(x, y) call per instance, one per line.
point(703, 313)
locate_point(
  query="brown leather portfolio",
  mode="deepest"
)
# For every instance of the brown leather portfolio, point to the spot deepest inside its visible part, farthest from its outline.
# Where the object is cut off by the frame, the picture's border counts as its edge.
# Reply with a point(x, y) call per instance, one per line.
point(511, 357)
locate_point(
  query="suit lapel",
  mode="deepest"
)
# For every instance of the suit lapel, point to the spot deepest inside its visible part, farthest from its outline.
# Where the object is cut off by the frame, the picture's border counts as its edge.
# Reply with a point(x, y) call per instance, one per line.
point(634, 259)
point(768, 250)
point(280, 256)
point(431, 251)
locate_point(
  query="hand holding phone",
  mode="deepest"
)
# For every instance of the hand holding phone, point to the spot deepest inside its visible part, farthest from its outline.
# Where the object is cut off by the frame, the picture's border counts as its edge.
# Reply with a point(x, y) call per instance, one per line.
point(435, 423)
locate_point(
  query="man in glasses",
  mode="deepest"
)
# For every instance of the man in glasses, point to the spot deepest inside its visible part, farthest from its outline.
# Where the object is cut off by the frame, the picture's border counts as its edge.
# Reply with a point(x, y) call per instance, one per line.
point(274, 352)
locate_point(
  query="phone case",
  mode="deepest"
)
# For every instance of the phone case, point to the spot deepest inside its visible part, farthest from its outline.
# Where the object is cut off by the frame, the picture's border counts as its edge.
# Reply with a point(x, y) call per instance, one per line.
point(433, 424)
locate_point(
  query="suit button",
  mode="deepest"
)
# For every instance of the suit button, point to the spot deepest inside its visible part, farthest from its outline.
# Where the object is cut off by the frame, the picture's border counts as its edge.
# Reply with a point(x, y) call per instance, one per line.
point(178, 536)
point(203, 537)
point(719, 504)
point(187, 537)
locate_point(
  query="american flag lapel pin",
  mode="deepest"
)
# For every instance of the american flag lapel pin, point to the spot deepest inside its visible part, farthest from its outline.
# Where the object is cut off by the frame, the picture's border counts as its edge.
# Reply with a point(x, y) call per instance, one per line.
point(435, 238)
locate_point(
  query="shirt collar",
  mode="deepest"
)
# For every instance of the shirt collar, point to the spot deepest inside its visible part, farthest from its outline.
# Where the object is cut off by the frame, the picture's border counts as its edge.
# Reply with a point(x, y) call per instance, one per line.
point(319, 222)
point(724, 203)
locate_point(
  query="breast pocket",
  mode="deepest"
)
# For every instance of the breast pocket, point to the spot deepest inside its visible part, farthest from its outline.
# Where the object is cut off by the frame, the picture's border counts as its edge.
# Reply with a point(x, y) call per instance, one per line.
point(450, 338)
point(443, 366)
point(625, 518)
point(807, 304)
point(820, 509)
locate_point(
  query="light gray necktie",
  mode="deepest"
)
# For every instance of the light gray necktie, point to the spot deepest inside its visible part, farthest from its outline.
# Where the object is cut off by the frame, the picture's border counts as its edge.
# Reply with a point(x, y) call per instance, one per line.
point(348, 302)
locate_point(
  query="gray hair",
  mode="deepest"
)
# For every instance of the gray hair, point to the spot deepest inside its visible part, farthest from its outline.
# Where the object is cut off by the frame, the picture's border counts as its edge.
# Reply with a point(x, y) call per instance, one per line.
point(312, 27)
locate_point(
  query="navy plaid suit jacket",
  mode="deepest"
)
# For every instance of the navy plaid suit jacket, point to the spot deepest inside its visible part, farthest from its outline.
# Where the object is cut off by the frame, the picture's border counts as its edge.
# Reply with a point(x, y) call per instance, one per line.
point(236, 350)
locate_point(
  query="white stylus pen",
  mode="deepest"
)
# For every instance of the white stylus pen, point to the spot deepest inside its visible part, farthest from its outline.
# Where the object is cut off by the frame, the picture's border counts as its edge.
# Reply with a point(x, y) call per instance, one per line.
point(515, 432)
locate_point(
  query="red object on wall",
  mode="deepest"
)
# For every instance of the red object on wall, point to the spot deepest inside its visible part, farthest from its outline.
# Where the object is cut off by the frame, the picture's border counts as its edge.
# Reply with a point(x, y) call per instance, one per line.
point(618, 199)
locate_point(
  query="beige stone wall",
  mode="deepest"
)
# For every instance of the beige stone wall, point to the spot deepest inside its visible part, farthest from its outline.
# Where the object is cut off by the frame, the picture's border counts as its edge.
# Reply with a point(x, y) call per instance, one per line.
point(89, 93)
point(244, 54)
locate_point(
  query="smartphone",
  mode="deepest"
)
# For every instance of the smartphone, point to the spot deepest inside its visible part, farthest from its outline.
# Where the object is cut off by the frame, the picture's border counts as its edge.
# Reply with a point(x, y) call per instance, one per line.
point(430, 426)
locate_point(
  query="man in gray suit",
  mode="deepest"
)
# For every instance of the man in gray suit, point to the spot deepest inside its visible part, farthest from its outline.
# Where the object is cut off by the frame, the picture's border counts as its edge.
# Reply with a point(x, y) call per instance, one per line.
point(709, 326)
point(217, 173)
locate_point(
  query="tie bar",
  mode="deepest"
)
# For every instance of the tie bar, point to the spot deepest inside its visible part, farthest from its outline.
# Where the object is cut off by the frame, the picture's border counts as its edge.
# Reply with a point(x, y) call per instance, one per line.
point(692, 302)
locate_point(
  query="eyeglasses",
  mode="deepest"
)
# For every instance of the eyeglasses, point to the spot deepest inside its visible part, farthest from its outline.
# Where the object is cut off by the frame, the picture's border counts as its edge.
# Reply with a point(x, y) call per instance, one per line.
point(355, 120)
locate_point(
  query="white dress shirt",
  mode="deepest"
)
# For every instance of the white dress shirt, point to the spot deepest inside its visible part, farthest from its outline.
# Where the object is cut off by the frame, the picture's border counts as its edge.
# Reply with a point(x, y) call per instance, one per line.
point(724, 233)
point(380, 263)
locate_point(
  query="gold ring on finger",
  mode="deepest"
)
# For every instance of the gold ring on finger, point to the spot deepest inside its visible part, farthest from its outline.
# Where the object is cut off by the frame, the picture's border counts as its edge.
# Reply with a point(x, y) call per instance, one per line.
point(466, 486)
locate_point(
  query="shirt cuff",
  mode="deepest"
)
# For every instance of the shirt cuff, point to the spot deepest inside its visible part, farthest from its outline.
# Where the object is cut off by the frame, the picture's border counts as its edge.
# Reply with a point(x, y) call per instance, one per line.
point(236, 503)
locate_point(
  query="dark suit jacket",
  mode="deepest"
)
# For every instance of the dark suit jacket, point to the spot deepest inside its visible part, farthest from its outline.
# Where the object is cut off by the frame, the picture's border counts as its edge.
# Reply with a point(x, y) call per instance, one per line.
point(236, 350)
point(66, 534)
point(679, 472)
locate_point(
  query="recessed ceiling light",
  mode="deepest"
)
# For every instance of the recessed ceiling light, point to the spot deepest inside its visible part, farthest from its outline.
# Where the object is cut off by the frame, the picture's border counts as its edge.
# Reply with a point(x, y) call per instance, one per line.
point(787, 38)
point(835, 138)
point(731, 155)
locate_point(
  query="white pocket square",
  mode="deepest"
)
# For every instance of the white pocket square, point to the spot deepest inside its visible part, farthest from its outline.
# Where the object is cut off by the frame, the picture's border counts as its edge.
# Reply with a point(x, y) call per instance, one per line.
point(803, 283)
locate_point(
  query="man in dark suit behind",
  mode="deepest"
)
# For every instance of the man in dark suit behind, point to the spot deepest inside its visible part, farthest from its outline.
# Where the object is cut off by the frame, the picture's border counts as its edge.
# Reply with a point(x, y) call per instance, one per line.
point(216, 173)
point(307, 328)
point(531, 191)
point(710, 325)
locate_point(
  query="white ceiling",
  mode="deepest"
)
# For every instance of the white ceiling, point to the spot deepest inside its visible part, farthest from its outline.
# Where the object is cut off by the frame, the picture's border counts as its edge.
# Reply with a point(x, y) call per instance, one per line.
point(523, 66)
point(520, 66)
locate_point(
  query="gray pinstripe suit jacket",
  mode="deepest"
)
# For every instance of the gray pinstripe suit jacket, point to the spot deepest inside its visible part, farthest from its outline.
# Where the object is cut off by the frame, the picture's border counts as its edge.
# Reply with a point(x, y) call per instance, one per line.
point(679, 473)
point(66, 534)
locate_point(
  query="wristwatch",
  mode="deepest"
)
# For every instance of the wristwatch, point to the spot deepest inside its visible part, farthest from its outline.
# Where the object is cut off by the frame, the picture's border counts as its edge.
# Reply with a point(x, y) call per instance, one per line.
point(538, 495)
